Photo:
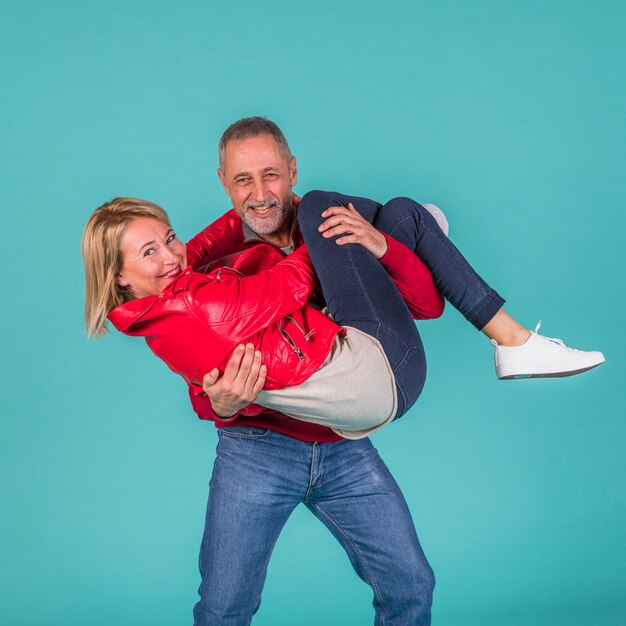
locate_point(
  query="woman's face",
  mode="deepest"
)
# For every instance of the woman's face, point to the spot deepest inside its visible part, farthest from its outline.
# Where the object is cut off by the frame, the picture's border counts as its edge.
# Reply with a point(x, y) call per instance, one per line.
point(152, 256)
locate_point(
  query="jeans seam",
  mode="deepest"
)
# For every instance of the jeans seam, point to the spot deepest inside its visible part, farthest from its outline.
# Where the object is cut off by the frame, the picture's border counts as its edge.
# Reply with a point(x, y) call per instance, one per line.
point(405, 400)
point(484, 302)
point(361, 285)
point(398, 338)
point(357, 553)
point(257, 602)
point(486, 291)
point(243, 436)
point(481, 304)
point(311, 486)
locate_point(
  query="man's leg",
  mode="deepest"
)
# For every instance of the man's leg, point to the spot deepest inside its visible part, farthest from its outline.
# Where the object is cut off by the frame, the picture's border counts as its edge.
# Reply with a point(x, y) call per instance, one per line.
point(356, 497)
point(258, 479)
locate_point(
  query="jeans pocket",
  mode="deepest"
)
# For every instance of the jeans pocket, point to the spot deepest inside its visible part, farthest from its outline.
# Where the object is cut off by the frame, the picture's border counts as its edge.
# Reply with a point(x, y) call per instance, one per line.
point(244, 432)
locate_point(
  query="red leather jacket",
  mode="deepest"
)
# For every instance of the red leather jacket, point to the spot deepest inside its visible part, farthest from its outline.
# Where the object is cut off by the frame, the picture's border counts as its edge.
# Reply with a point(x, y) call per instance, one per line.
point(226, 236)
point(224, 243)
point(260, 298)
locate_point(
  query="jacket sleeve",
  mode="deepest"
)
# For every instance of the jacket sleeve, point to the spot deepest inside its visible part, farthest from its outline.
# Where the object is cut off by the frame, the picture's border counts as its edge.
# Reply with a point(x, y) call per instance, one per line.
point(238, 307)
point(218, 239)
point(202, 406)
point(413, 280)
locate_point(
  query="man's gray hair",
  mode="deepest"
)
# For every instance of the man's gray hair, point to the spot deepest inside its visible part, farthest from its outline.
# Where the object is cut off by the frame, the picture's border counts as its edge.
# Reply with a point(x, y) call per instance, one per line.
point(252, 127)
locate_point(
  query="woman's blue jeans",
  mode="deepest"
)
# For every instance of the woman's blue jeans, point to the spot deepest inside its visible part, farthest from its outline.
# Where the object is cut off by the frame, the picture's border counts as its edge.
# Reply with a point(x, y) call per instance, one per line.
point(259, 477)
point(360, 293)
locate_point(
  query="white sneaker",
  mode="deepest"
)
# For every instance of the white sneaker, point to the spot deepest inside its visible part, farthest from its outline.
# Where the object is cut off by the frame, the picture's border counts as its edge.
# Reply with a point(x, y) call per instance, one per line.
point(439, 216)
point(542, 357)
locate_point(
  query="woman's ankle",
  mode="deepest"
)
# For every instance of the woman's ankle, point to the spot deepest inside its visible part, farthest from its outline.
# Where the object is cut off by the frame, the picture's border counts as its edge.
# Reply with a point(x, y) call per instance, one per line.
point(513, 339)
point(505, 331)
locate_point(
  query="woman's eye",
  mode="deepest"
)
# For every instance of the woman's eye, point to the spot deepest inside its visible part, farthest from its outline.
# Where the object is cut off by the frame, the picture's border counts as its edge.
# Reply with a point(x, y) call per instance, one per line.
point(171, 238)
point(149, 252)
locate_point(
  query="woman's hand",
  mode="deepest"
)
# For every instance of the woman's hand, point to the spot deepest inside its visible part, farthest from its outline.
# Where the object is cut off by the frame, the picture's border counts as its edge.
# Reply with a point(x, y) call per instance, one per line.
point(243, 378)
point(348, 221)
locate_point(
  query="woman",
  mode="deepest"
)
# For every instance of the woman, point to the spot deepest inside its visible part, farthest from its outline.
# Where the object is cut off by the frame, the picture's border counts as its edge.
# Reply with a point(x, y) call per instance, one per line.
point(353, 379)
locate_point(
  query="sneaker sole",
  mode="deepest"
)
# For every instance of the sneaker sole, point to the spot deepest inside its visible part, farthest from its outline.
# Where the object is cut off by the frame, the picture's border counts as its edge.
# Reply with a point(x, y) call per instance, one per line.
point(550, 375)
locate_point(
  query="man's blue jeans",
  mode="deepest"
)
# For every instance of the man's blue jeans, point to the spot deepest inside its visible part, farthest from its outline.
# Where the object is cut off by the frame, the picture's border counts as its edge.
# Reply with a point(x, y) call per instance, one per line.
point(259, 477)
point(359, 292)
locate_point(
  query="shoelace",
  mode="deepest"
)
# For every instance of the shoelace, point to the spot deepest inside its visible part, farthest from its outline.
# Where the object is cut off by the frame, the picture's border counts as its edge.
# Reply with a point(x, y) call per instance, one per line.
point(553, 339)
point(559, 342)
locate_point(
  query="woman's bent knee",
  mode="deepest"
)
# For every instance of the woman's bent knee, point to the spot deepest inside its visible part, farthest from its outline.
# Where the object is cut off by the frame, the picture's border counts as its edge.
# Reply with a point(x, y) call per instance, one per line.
point(405, 206)
point(313, 204)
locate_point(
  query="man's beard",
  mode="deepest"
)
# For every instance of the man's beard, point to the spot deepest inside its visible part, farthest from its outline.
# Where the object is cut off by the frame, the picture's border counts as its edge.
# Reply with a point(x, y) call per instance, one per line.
point(266, 225)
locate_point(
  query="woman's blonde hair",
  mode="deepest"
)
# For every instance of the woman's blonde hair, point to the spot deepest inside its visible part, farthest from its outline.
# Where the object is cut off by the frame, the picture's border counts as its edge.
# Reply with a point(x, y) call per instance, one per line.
point(103, 259)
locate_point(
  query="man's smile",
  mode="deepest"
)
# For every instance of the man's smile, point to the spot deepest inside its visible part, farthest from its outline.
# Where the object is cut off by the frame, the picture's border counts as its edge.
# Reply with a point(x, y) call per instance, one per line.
point(262, 211)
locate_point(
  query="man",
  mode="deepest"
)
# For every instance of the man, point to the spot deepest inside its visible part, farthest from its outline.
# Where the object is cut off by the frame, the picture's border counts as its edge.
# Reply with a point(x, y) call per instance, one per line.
point(267, 463)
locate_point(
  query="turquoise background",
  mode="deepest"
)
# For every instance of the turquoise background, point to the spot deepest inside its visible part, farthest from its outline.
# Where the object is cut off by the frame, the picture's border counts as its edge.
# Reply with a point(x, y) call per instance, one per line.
point(509, 115)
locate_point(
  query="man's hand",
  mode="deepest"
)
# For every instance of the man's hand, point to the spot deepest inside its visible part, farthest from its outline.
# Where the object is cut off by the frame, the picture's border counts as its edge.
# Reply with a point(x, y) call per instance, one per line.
point(348, 221)
point(243, 378)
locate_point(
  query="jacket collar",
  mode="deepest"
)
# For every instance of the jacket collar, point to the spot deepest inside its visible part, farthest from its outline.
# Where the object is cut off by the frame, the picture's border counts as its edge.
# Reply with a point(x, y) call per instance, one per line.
point(125, 315)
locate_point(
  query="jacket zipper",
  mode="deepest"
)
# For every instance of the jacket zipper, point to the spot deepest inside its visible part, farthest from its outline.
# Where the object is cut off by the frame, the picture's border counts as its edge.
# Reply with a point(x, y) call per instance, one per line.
point(289, 339)
point(285, 334)
point(306, 336)
point(218, 274)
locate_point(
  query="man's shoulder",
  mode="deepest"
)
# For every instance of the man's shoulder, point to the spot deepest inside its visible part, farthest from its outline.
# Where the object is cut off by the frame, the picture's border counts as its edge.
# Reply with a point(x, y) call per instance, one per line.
point(220, 238)
point(229, 222)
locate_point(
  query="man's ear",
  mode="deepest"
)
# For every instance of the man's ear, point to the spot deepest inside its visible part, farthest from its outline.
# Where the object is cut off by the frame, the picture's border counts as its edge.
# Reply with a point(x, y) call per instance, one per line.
point(293, 171)
point(222, 178)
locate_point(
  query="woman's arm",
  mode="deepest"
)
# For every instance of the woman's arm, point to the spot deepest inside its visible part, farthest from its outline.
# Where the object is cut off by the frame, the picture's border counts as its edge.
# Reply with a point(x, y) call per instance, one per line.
point(219, 239)
point(236, 307)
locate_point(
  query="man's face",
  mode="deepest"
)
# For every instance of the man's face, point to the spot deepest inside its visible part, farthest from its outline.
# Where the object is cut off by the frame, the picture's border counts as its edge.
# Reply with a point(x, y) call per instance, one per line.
point(259, 180)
